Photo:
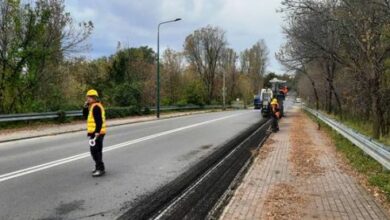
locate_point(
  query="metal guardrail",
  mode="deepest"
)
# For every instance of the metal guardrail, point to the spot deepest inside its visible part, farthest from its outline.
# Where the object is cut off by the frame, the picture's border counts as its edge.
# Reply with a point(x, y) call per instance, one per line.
point(378, 151)
point(78, 113)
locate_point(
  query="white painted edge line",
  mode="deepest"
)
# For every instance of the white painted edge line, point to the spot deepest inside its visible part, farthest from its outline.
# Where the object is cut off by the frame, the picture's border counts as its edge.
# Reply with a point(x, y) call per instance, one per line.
point(34, 169)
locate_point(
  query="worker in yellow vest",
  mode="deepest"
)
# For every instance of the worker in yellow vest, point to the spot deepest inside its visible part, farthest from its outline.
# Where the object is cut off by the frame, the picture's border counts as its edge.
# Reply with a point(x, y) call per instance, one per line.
point(275, 113)
point(96, 126)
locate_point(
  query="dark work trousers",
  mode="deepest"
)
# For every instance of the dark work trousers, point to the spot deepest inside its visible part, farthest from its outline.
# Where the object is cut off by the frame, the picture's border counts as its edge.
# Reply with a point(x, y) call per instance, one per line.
point(97, 153)
point(275, 124)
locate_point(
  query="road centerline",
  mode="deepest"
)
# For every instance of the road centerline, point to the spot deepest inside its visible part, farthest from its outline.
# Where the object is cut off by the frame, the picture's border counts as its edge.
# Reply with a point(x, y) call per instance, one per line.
point(44, 166)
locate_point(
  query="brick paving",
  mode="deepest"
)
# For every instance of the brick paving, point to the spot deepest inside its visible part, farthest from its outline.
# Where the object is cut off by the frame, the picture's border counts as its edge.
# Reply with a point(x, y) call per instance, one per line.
point(329, 194)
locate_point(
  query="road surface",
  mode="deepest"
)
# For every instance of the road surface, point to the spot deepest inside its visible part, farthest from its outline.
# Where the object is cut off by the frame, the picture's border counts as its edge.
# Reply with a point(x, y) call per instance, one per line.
point(50, 177)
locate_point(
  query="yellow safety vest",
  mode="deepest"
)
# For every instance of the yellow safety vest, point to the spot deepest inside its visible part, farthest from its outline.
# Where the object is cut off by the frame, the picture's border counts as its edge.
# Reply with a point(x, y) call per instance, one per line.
point(91, 125)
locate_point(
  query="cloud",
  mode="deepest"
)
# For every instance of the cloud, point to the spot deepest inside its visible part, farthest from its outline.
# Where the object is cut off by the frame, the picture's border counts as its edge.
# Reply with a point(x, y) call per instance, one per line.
point(135, 22)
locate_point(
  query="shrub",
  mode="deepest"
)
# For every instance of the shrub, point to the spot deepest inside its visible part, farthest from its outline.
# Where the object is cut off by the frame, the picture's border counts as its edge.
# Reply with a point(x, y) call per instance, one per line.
point(62, 117)
point(118, 112)
point(195, 94)
point(126, 94)
point(182, 102)
point(147, 111)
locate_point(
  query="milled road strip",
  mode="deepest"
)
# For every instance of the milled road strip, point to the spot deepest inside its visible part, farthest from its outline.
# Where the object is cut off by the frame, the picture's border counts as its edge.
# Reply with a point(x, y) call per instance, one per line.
point(48, 165)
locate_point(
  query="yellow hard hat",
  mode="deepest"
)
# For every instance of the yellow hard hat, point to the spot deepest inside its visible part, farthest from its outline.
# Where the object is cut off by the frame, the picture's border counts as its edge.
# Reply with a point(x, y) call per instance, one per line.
point(274, 102)
point(92, 92)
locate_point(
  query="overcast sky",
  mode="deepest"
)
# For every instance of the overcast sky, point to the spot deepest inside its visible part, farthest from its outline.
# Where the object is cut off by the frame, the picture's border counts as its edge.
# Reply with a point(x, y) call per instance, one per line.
point(134, 23)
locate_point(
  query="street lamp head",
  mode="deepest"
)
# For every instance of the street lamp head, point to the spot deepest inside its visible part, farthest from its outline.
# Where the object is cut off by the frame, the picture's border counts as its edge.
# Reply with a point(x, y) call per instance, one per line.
point(177, 19)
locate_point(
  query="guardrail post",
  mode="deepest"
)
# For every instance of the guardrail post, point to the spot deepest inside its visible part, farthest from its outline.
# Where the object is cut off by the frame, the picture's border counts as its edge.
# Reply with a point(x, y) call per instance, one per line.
point(61, 116)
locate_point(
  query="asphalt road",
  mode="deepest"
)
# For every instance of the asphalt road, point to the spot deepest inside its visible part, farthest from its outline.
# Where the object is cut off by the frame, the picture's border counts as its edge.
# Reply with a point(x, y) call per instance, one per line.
point(50, 177)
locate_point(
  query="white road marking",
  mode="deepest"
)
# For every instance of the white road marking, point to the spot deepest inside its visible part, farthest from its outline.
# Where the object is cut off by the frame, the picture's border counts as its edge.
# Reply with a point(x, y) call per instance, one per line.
point(33, 169)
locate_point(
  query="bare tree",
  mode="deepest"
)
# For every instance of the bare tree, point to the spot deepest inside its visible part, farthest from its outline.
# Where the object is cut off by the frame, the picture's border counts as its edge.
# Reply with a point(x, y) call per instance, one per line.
point(173, 67)
point(254, 62)
point(318, 35)
point(290, 58)
point(228, 67)
point(346, 37)
point(203, 49)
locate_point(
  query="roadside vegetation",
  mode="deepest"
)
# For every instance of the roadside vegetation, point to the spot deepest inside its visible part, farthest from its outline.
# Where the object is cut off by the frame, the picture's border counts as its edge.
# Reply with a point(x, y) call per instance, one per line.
point(42, 67)
point(364, 127)
point(340, 52)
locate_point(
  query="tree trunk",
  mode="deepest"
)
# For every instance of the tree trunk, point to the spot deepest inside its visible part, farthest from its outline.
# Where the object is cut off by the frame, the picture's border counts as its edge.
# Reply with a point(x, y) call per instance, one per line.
point(330, 94)
point(376, 110)
point(316, 95)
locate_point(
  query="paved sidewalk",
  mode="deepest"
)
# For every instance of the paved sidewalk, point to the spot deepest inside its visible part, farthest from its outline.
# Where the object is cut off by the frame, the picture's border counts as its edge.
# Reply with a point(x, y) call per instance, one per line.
point(54, 129)
point(296, 175)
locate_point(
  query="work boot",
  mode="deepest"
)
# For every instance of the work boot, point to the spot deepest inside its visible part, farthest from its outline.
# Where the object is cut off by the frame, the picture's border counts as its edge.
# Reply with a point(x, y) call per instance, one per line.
point(98, 173)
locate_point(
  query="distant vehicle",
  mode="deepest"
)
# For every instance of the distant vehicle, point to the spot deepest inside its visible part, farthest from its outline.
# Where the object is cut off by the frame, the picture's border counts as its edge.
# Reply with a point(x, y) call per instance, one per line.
point(280, 90)
point(298, 100)
point(257, 102)
point(266, 96)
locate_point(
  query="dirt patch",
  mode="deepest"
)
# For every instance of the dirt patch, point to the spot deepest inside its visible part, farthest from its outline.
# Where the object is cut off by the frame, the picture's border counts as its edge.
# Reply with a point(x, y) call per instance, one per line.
point(205, 147)
point(270, 141)
point(266, 149)
point(303, 155)
point(284, 202)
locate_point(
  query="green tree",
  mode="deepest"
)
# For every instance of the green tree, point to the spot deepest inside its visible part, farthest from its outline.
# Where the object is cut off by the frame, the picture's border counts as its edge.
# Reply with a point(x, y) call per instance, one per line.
point(195, 92)
point(253, 63)
point(131, 74)
point(34, 40)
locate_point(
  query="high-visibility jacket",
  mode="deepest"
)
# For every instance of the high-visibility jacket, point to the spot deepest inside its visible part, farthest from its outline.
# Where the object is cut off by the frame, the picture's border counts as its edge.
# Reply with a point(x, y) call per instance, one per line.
point(91, 125)
point(275, 110)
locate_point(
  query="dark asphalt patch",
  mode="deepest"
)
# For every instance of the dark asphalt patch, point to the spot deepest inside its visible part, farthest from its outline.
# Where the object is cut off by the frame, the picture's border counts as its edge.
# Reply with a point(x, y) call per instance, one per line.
point(189, 155)
point(66, 208)
point(202, 199)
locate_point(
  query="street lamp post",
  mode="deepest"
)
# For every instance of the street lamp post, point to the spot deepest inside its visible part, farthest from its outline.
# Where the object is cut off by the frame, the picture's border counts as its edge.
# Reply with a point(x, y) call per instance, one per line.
point(224, 91)
point(158, 64)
